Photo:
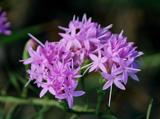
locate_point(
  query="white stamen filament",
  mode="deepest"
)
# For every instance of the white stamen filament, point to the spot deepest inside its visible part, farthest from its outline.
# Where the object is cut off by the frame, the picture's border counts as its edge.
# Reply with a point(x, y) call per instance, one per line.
point(34, 38)
point(110, 96)
point(27, 83)
point(86, 71)
point(86, 66)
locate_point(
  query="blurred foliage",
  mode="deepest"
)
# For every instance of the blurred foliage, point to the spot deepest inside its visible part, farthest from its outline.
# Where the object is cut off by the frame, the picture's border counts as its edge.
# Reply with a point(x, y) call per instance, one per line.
point(23, 33)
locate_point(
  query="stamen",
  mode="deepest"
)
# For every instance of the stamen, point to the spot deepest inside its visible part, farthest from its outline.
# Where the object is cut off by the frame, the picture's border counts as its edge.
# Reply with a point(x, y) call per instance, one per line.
point(110, 96)
point(86, 66)
point(27, 83)
point(35, 39)
point(85, 71)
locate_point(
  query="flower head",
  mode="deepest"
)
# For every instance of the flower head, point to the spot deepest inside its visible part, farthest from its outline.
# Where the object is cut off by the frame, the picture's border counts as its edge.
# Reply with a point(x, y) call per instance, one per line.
point(56, 66)
point(98, 62)
point(53, 71)
point(83, 37)
point(113, 78)
point(121, 57)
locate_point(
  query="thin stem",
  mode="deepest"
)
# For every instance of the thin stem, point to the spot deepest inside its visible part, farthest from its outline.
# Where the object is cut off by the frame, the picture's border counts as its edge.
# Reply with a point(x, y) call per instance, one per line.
point(46, 102)
point(74, 116)
point(34, 38)
point(149, 109)
point(110, 96)
point(100, 100)
point(28, 82)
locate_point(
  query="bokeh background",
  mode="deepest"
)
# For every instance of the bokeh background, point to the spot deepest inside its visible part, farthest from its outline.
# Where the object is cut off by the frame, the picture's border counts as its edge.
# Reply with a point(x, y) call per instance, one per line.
point(140, 20)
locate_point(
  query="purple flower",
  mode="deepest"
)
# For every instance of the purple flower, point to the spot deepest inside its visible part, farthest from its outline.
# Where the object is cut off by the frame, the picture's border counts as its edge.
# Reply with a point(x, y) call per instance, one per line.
point(56, 66)
point(53, 70)
point(69, 92)
point(4, 24)
point(83, 37)
point(113, 78)
point(98, 62)
point(123, 54)
point(128, 70)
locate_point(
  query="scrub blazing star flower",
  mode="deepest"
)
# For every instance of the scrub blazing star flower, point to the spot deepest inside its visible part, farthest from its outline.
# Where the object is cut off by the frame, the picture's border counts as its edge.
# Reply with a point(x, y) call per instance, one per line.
point(4, 24)
point(98, 62)
point(56, 66)
point(52, 70)
point(113, 78)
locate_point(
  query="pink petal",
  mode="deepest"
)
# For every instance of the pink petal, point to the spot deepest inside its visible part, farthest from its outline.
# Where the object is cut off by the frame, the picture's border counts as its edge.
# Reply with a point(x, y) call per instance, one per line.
point(84, 18)
point(43, 92)
point(93, 67)
point(87, 45)
point(113, 68)
point(63, 28)
point(93, 57)
point(69, 45)
point(65, 36)
point(103, 59)
point(28, 61)
point(134, 76)
point(78, 93)
point(107, 85)
point(132, 69)
point(78, 76)
point(119, 84)
point(77, 43)
point(61, 96)
point(94, 40)
point(70, 101)
point(139, 54)
point(51, 90)
point(106, 75)
point(102, 67)
point(7, 32)
point(125, 77)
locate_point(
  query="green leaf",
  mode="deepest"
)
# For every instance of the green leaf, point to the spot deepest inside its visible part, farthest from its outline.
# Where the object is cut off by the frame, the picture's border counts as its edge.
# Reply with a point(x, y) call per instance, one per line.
point(10, 113)
point(40, 114)
point(14, 81)
point(25, 56)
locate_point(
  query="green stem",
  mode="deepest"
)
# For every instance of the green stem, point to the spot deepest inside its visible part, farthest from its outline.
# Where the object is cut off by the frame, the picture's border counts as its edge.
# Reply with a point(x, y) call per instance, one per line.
point(45, 102)
point(100, 99)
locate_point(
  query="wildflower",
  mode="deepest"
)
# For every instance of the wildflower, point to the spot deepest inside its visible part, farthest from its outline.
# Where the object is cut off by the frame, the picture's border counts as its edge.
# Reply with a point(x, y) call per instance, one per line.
point(98, 62)
point(69, 92)
point(4, 24)
point(55, 66)
point(128, 70)
point(113, 78)
point(84, 35)
point(53, 70)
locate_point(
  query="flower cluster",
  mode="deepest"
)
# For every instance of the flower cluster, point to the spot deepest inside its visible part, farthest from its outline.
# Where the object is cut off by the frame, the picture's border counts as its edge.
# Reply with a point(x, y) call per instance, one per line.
point(56, 66)
point(52, 69)
point(4, 24)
